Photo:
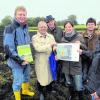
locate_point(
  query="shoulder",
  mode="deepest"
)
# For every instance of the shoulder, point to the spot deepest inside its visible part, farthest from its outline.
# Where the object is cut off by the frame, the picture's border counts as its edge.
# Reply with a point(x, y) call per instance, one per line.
point(97, 33)
point(34, 37)
point(9, 28)
point(59, 29)
point(50, 35)
point(79, 34)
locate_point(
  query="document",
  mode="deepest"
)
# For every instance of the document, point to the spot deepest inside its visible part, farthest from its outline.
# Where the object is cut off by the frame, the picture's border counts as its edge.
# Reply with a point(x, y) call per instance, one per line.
point(24, 51)
point(68, 51)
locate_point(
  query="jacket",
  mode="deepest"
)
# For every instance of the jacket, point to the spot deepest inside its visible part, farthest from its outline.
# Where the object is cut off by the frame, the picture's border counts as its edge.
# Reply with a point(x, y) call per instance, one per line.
point(14, 35)
point(90, 43)
point(57, 33)
point(93, 84)
point(43, 49)
point(73, 68)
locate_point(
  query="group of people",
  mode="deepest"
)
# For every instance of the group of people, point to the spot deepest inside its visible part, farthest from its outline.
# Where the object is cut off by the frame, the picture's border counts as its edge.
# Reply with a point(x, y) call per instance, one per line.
point(78, 76)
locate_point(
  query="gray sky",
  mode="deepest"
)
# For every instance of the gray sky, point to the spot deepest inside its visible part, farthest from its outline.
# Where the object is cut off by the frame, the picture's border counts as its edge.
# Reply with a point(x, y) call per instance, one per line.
point(60, 9)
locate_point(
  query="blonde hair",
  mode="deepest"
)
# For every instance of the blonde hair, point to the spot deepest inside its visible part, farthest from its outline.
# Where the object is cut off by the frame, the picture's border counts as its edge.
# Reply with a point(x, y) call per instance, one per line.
point(20, 8)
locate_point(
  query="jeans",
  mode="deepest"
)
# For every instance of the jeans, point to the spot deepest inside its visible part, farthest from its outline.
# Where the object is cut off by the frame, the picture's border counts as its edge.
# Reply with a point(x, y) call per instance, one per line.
point(21, 74)
point(77, 82)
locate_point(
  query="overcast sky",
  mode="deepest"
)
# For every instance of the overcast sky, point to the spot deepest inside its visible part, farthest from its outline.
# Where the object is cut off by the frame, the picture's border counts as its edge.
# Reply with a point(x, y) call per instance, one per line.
point(60, 9)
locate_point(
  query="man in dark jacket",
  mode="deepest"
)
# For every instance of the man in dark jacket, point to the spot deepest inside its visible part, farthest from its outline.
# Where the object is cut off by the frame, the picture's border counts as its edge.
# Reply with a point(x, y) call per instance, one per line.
point(90, 37)
point(53, 29)
point(57, 33)
point(93, 85)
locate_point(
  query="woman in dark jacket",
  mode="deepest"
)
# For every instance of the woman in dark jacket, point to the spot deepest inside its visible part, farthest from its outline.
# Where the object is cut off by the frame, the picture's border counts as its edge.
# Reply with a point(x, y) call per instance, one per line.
point(73, 70)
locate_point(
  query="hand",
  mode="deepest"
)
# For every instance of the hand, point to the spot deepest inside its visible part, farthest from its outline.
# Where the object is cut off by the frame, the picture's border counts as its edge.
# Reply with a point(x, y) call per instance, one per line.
point(95, 96)
point(80, 51)
point(53, 44)
point(56, 58)
point(54, 48)
point(25, 63)
point(78, 42)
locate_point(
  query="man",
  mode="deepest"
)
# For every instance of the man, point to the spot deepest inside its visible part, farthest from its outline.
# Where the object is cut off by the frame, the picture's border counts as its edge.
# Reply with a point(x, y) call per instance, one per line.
point(43, 44)
point(53, 29)
point(90, 37)
point(57, 33)
point(93, 84)
point(16, 34)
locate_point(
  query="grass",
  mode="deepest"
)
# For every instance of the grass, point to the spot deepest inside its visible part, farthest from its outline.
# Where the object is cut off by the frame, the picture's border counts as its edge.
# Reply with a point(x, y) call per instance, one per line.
point(80, 27)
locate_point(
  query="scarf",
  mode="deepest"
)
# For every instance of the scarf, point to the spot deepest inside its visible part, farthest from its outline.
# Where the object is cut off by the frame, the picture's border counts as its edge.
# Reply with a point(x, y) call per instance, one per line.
point(69, 36)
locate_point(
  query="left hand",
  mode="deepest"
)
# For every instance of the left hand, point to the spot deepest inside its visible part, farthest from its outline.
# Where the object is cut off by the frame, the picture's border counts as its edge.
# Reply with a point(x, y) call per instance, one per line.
point(56, 57)
point(54, 48)
point(25, 63)
point(80, 51)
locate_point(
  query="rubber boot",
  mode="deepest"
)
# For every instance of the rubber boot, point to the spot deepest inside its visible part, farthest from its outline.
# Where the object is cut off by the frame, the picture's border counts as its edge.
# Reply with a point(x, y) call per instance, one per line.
point(26, 91)
point(17, 95)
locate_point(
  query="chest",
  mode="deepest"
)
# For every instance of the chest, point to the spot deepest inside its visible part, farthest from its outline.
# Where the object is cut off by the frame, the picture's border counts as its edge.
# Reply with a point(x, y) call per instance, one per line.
point(21, 36)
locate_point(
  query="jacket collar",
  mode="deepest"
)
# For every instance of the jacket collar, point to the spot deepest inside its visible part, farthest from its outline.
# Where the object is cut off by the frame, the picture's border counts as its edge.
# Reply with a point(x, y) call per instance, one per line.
point(17, 24)
point(40, 35)
point(86, 34)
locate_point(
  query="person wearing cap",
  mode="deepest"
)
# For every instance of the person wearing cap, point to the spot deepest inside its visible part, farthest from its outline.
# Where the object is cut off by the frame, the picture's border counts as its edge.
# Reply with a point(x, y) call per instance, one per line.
point(57, 33)
point(53, 29)
point(73, 70)
point(16, 34)
point(91, 39)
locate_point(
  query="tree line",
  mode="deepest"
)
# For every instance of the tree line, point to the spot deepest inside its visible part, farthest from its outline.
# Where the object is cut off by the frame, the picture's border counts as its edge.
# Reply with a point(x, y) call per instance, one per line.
point(32, 22)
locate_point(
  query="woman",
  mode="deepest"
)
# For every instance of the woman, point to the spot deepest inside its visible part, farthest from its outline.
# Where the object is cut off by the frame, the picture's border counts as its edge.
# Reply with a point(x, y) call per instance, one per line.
point(73, 70)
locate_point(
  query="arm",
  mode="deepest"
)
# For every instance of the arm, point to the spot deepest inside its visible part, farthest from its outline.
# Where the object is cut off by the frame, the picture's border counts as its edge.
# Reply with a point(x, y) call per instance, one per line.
point(9, 45)
point(82, 45)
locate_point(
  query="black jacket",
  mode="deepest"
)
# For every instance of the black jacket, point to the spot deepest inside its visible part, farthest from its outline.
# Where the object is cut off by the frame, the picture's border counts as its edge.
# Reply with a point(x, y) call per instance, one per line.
point(93, 84)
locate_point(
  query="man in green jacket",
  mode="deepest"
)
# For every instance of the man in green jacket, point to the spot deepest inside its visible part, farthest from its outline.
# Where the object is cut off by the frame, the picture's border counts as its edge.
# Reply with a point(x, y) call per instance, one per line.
point(57, 33)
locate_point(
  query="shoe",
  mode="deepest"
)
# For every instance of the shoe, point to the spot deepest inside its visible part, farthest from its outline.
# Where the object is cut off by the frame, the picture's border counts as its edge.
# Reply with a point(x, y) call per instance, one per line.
point(26, 91)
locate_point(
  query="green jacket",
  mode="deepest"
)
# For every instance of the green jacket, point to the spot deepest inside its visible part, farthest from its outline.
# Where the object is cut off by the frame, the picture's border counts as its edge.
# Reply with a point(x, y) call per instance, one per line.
point(57, 33)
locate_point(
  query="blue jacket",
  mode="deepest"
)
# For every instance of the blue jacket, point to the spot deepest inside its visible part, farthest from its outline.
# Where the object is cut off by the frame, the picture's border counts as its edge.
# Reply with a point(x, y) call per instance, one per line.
point(14, 35)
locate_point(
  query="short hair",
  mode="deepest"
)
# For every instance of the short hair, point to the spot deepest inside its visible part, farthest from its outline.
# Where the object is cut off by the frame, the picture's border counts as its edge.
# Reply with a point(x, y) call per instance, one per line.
point(91, 20)
point(20, 8)
point(68, 21)
point(41, 22)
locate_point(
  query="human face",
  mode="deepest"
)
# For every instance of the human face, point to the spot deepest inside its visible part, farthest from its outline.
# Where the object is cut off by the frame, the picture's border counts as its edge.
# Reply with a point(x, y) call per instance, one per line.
point(21, 16)
point(68, 28)
point(51, 24)
point(42, 27)
point(90, 26)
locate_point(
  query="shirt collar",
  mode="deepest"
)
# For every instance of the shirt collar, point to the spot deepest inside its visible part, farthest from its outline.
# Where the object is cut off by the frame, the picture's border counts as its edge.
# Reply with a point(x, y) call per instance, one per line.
point(40, 35)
